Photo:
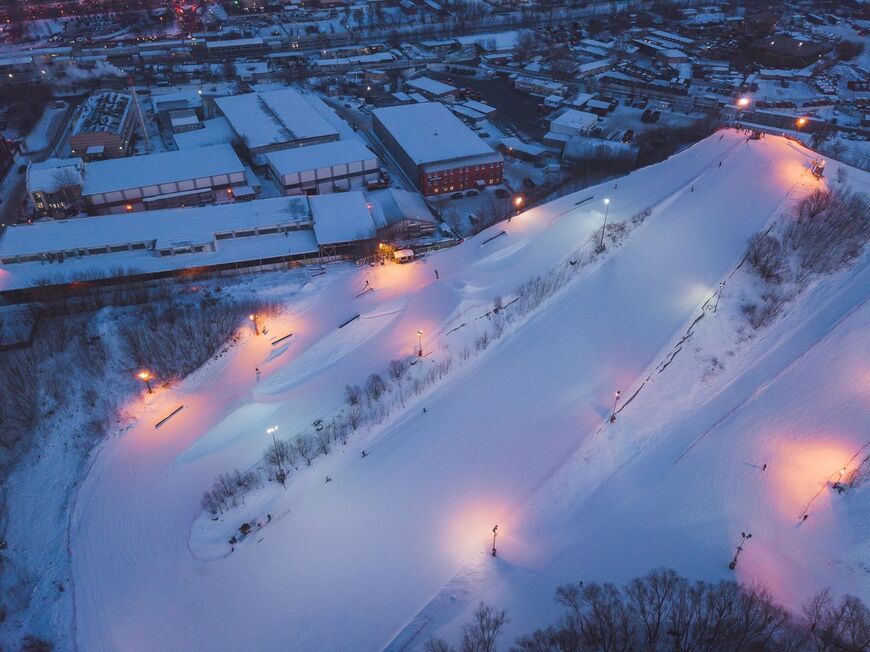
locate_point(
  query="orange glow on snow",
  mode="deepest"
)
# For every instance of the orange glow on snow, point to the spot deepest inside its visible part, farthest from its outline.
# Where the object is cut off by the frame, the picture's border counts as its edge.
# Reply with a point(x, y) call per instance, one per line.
point(801, 469)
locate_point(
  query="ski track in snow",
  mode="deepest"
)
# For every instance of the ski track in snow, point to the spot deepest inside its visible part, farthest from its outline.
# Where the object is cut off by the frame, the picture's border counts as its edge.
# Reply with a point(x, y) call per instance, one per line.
point(353, 561)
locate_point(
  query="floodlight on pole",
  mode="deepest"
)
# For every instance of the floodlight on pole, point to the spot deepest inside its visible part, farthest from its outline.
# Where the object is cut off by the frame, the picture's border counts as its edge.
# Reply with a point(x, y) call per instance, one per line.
point(604, 224)
point(146, 377)
point(420, 344)
point(253, 319)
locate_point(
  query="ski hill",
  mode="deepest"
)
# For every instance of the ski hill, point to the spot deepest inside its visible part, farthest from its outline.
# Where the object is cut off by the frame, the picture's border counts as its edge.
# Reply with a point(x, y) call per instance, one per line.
point(395, 546)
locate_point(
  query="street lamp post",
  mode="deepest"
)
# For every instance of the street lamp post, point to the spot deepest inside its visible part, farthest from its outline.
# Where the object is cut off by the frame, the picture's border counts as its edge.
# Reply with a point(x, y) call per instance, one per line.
point(494, 535)
point(746, 537)
point(145, 376)
point(253, 319)
point(615, 401)
point(519, 200)
point(420, 344)
point(604, 224)
point(800, 122)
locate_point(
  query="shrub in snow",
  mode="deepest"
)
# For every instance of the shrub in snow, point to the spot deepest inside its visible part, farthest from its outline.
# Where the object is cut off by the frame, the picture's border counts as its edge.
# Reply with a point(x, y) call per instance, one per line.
point(765, 255)
point(352, 394)
point(375, 387)
point(397, 368)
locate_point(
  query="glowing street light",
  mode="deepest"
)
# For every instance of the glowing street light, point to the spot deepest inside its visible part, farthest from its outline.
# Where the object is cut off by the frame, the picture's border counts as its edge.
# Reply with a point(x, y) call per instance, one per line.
point(604, 224)
point(800, 122)
point(743, 102)
point(615, 401)
point(146, 377)
point(420, 344)
point(494, 535)
point(519, 200)
point(253, 319)
point(272, 431)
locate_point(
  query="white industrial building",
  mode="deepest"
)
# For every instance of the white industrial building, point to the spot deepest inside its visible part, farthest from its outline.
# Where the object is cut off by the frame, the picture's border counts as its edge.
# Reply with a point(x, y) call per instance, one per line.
point(165, 180)
point(325, 168)
point(275, 120)
point(210, 239)
point(572, 122)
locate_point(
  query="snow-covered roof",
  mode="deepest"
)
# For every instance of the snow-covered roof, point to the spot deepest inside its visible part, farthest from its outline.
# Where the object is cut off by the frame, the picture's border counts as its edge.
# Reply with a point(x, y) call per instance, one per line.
point(574, 119)
point(274, 117)
point(163, 226)
point(428, 132)
point(234, 43)
point(54, 173)
point(212, 132)
point(323, 155)
point(152, 169)
point(480, 107)
point(392, 205)
point(180, 99)
point(431, 86)
point(341, 217)
point(103, 112)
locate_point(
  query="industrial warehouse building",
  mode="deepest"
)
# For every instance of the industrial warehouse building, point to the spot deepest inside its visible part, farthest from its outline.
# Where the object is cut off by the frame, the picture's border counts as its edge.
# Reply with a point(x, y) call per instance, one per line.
point(104, 127)
point(165, 180)
point(320, 169)
point(208, 239)
point(435, 149)
point(275, 120)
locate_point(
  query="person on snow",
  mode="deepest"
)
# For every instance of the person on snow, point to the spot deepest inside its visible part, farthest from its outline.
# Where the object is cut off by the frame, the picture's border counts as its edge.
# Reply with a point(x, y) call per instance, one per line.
point(257, 370)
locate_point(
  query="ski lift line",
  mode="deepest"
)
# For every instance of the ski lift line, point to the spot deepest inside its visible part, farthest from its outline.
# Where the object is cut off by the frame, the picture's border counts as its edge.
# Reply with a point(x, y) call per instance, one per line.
point(168, 416)
point(776, 376)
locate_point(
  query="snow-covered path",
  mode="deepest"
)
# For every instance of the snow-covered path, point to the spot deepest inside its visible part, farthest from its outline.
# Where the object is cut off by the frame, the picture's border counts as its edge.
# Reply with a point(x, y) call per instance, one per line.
point(355, 559)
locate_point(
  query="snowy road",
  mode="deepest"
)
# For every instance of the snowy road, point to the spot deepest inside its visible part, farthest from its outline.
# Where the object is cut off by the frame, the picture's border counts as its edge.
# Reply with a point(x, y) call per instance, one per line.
point(354, 560)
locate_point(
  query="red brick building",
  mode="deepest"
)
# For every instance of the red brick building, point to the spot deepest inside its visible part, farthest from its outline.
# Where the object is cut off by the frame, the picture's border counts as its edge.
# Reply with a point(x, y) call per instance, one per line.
point(435, 149)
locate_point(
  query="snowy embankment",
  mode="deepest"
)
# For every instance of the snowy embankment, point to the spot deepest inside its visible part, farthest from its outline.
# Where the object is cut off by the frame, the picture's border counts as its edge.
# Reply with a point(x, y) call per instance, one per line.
point(348, 563)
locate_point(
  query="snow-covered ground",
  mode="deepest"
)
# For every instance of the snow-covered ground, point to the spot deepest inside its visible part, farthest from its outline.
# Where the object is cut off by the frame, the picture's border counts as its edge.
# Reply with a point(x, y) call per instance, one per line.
point(513, 437)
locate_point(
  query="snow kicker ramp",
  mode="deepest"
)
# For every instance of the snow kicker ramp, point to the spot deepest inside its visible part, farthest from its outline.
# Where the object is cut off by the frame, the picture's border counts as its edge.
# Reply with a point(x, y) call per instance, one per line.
point(353, 560)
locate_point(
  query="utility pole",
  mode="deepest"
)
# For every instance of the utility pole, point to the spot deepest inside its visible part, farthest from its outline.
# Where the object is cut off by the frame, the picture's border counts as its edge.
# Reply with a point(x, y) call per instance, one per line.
point(494, 535)
point(615, 401)
point(746, 537)
point(420, 343)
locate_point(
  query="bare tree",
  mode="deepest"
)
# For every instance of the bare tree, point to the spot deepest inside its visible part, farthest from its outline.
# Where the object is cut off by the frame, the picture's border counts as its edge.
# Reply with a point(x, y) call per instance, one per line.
point(277, 459)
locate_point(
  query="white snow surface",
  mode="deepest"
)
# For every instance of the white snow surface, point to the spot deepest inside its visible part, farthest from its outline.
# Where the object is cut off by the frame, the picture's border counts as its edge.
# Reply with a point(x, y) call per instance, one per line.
point(397, 544)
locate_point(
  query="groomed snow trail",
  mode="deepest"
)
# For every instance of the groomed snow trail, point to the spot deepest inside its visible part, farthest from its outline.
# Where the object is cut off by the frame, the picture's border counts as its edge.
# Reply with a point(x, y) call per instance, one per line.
point(355, 559)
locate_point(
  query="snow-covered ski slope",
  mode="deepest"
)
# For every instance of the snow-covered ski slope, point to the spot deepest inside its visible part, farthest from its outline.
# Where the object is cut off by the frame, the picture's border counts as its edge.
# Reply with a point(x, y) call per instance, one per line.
point(350, 563)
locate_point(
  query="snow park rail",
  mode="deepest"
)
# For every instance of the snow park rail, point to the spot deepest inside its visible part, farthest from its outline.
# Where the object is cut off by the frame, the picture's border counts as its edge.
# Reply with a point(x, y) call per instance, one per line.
point(168, 416)
point(281, 339)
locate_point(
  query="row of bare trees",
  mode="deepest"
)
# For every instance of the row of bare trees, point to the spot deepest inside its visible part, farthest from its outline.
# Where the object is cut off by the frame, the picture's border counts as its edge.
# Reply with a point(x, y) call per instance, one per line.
point(664, 611)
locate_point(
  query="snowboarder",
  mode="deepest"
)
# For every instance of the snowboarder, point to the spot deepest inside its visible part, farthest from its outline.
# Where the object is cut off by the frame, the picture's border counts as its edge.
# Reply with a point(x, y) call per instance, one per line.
point(424, 410)
point(436, 275)
point(268, 518)
point(720, 164)
point(692, 189)
point(806, 516)
point(764, 467)
point(328, 479)
point(364, 453)
point(257, 370)
point(367, 282)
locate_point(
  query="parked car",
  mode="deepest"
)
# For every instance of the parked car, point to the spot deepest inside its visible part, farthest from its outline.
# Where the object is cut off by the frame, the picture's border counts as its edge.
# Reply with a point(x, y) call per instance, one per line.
point(528, 183)
point(628, 136)
point(654, 117)
point(645, 116)
point(501, 193)
point(471, 193)
point(456, 195)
